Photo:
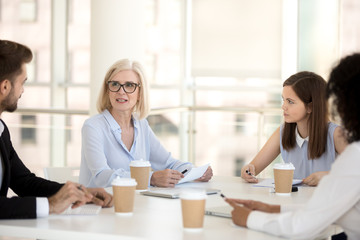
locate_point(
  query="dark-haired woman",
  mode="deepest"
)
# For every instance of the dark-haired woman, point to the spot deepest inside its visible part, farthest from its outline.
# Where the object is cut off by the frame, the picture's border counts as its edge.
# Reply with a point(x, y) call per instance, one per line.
point(307, 139)
point(337, 198)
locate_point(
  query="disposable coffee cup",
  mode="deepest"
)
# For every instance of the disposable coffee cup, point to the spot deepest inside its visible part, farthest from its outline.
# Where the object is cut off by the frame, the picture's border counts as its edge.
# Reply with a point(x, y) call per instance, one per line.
point(193, 209)
point(283, 176)
point(124, 195)
point(140, 171)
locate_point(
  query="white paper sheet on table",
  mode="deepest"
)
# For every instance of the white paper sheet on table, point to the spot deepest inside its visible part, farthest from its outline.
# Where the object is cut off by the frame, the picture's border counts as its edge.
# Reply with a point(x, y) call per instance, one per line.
point(87, 209)
point(269, 182)
point(194, 173)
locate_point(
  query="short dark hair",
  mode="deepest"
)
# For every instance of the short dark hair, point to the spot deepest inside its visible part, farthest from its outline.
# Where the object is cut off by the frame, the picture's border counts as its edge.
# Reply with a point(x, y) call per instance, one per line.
point(344, 87)
point(12, 56)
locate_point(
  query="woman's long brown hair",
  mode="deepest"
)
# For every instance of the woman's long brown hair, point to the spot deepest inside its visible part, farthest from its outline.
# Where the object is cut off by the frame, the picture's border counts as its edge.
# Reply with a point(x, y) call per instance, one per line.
point(311, 89)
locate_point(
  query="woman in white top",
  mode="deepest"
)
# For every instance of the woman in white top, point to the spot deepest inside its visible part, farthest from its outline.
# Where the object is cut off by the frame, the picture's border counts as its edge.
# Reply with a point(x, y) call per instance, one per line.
point(307, 139)
point(337, 197)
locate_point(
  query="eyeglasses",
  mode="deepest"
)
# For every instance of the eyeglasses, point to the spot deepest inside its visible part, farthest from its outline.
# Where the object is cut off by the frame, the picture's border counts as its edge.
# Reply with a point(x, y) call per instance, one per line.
point(128, 87)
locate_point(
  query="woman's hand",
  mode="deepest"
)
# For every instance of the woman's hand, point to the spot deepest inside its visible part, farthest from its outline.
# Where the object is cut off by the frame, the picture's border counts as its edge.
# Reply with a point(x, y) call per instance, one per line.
point(314, 178)
point(255, 205)
point(246, 176)
point(166, 178)
point(240, 214)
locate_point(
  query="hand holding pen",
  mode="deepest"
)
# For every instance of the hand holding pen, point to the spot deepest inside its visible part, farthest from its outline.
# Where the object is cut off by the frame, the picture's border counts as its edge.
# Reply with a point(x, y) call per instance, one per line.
point(248, 173)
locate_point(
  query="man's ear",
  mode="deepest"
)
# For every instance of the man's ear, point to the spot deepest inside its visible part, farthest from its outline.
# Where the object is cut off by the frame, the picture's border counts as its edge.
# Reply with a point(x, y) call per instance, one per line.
point(5, 87)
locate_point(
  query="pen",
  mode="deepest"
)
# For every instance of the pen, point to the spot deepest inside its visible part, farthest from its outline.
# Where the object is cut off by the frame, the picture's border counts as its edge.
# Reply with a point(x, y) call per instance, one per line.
point(222, 195)
point(249, 173)
point(184, 171)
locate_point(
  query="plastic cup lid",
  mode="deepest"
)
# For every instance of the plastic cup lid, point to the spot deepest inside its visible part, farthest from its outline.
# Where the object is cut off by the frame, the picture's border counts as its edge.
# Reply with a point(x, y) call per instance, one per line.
point(193, 194)
point(286, 166)
point(124, 182)
point(140, 163)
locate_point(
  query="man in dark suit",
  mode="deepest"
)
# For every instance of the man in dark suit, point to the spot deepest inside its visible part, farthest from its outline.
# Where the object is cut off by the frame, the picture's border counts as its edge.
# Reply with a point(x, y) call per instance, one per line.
point(37, 197)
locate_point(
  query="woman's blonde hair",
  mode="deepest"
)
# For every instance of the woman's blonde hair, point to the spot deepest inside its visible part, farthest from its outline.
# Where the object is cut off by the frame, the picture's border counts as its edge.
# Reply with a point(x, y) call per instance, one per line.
point(142, 106)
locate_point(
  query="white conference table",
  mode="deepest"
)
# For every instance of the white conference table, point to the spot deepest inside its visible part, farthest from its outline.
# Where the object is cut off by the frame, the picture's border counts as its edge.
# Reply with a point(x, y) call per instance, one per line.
point(155, 218)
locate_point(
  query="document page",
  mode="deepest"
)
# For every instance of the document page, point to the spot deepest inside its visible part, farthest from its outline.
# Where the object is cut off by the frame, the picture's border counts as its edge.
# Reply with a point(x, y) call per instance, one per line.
point(87, 209)
point(194, 173)
point(269, 182)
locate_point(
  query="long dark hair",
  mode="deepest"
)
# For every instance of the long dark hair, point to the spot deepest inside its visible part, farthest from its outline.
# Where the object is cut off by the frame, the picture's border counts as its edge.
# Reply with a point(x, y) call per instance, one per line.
point(311, 89)
point(344, 86)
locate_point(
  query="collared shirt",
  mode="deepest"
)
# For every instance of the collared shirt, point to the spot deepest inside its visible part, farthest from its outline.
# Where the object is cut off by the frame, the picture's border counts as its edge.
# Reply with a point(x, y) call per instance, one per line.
point(299, 140)
point(42, 204)
point(335, 200)
point(104, 156)
point(298, 155)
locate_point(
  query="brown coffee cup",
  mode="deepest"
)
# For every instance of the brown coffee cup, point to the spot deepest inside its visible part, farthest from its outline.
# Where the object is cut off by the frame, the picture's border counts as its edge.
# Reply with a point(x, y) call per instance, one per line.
point(283, 177)
point(124, 195)
point(193, 209)
point(140, 171)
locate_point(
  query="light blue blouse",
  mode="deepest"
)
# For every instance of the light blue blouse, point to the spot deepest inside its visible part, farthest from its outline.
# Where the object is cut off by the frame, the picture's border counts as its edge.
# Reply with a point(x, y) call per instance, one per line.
point(104, 156)
point(299, 154)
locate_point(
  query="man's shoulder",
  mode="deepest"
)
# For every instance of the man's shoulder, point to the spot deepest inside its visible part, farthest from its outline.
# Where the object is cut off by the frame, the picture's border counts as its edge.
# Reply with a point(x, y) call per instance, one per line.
point(4, 131)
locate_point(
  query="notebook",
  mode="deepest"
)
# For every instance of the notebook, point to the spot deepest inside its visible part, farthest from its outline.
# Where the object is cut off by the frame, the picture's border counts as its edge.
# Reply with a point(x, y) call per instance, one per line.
point(87, 209)
point(172, 192)
point(221, 211)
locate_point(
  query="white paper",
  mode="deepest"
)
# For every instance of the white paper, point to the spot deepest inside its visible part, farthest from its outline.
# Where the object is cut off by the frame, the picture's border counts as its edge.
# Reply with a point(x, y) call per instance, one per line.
point(194, 173)
point(269, 182)
point(87, 209)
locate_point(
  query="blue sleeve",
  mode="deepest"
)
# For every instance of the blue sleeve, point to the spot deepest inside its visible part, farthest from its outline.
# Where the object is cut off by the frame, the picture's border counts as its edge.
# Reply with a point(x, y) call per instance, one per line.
point(94, 157)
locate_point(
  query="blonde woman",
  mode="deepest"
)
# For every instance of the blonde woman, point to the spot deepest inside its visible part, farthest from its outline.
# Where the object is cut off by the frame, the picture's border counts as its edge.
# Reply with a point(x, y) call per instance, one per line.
point(120, 133)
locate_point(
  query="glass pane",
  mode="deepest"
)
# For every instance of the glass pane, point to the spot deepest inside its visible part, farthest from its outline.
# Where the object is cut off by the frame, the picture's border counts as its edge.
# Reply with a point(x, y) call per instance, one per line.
point(79, 42)
point(349, 29)
point(74, 125)
point(28, 10)
point(228, 140)
point(35, 155)
point(163, 49)
point(78, 98)
point(248, 99)
point(35, 97)
point(166, 128)
point(34, 34)
point(164, 98)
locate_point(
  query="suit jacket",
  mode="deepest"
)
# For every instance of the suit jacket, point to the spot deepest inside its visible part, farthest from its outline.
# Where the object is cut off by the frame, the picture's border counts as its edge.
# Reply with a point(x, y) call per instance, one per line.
point(24, 183)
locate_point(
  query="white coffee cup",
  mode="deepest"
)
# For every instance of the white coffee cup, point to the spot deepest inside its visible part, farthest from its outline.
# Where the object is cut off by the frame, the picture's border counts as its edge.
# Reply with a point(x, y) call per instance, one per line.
point(283, 177)
point(193, 209)
point(140, 171)
point(124, 195)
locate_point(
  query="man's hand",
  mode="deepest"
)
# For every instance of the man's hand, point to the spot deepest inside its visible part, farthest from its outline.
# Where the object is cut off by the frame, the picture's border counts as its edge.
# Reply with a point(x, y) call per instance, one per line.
point(101, 197)
point(70, 194)
point(206, 176)
point(166, 178)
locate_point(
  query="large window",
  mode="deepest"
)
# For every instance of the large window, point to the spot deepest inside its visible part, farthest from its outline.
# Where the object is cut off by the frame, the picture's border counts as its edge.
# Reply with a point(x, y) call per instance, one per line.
point(216, 67)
